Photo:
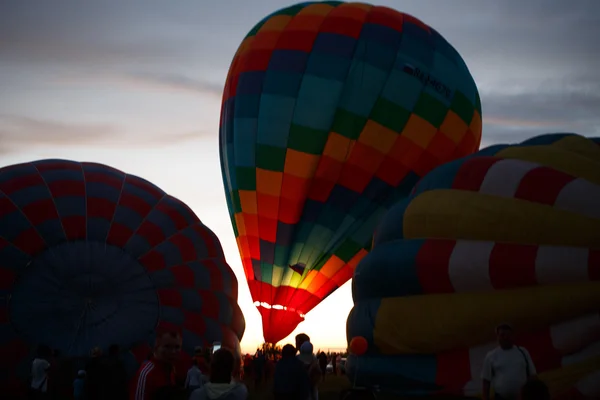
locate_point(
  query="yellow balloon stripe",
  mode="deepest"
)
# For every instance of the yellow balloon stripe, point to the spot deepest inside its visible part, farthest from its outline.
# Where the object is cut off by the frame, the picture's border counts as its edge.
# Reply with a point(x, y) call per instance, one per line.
point(453, 214)
point(435, 323)
point(573, 158)
point(560, 380)
point(580, 145)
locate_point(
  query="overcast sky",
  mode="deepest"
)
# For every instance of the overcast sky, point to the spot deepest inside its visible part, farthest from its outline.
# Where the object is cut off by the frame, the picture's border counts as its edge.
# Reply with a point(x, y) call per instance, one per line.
point(137, 85)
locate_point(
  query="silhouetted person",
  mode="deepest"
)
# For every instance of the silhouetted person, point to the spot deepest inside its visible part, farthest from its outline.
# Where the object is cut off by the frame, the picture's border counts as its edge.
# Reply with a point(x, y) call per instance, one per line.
point(323, 363)
point(79, 386)
point(155, 379)
point(248, 366)
point(60, 376)
point(65, 369)
point(115, 375)
point(95, 379)
point(291, 377)
point(506, 368)
point(311, 365)
point(221, 386)
point(201, 357)
point(334, 363)
point(301, 338)
point(194, 379)
point(259, 368)
point(39, 373)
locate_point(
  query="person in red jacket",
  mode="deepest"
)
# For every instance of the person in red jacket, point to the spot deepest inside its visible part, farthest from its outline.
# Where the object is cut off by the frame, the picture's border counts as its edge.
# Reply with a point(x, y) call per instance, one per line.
point(156, 377)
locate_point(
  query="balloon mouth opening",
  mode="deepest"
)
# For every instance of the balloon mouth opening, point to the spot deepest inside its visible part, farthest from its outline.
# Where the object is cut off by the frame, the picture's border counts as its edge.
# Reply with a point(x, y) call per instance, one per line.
point(278, 307)
point(83, 294)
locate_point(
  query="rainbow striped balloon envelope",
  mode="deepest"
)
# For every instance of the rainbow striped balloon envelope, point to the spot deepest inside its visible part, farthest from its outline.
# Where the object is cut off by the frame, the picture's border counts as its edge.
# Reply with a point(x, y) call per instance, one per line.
point(511, 235)
point(331, 112)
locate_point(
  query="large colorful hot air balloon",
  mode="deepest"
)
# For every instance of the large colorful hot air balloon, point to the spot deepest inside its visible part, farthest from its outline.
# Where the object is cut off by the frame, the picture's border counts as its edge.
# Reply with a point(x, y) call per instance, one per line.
point(331, 113)
point(91, 256)
point(508, 235)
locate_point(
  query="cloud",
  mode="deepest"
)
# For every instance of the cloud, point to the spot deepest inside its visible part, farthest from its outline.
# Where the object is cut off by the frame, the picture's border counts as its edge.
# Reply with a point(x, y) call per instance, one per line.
point(177, 81)
point(143, 81)
point(513, 118)
point(97, 53)
point(171, 138)
point(68, 32)
point(549, 106)
point(27, 130)
point(17, 133)
point(537, 63)
point(65, 32)
point(522, 123)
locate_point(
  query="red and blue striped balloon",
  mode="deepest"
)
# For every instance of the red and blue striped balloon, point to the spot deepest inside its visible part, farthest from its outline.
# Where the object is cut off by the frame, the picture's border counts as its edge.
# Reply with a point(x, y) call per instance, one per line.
point(91, 256)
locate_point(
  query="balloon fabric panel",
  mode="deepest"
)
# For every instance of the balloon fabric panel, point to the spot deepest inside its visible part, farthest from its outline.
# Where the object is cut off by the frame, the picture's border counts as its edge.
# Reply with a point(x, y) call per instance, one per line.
point(331, 113)
point(509, 234)
point(91, 256)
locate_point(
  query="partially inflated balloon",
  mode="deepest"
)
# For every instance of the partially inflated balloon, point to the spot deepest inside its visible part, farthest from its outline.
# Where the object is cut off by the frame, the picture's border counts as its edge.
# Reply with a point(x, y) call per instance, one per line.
point(510, 234)
point(331, 113)
point(91, 256)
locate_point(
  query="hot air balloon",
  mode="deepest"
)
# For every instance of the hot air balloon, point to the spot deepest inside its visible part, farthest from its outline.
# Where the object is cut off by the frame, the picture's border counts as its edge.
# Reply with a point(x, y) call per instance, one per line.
point(331, 112)
point(508, 235)
point(91, 256)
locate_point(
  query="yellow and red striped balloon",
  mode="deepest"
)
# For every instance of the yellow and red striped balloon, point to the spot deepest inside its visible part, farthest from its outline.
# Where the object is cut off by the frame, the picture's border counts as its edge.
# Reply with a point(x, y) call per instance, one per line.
point(510, 234)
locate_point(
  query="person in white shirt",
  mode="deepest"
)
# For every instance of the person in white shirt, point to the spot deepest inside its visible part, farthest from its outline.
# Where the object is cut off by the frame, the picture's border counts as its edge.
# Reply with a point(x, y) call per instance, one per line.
point(506, 368)
point(194, 379)
point(39, 371)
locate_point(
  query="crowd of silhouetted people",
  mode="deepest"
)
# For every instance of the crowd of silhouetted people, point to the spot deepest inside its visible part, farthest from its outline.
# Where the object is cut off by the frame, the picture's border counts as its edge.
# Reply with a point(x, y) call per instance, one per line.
point(294, 370)
point(101, 376)
point(260, 367)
